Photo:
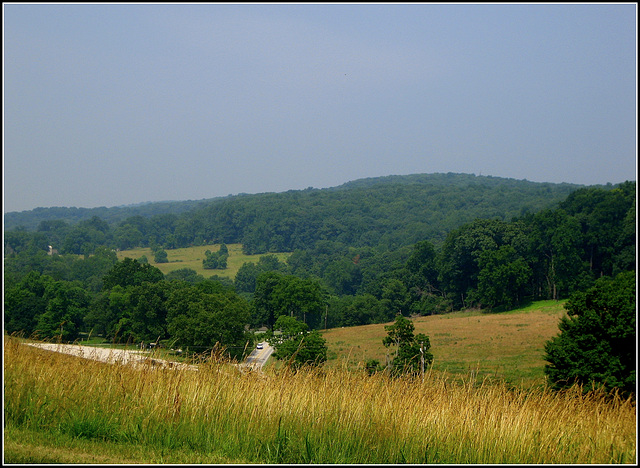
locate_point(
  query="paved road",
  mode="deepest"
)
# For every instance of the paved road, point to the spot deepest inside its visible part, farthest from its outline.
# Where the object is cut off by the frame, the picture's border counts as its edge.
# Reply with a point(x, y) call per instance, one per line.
point(255, 360)
point(258, 357)
point(109, 355)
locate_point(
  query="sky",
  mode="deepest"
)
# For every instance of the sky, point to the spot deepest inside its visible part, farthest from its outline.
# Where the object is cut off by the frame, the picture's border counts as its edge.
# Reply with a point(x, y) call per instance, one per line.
point(116, 104)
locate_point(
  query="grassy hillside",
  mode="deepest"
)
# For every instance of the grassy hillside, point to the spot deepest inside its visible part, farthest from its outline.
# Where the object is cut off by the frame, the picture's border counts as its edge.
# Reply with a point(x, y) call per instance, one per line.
point(191, 257)
point(507, 345)
point(65, 409)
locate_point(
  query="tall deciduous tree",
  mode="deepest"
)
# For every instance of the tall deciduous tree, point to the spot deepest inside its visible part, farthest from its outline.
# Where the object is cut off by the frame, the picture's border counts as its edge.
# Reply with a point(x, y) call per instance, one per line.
point(422, 265)
point(278, 294)
point(410, 348)
point(460, 257)
point(67, 305)
point(148, 310)
point(130, 272)
point(296, 344)
point(206, 314)
point(503, 278)
point(263, 305)
point(555, 244)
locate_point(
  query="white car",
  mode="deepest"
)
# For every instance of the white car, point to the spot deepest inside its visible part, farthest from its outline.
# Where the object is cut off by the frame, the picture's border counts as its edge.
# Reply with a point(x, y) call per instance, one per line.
point(260, 346)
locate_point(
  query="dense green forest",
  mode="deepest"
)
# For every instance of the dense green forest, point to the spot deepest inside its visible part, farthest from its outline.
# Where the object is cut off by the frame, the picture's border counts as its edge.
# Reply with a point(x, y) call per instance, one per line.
point(30, 220)
point(388, 212)
point(361, 253)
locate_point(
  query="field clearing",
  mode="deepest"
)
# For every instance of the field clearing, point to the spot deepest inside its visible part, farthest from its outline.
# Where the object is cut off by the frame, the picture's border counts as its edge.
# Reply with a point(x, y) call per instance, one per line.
point(191, 257)
point(506, 345)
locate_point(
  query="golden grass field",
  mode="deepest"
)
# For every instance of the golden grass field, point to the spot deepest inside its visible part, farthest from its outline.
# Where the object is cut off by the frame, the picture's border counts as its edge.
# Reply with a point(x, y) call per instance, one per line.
point(65, 409)
point(191, 257)
point(506, 345)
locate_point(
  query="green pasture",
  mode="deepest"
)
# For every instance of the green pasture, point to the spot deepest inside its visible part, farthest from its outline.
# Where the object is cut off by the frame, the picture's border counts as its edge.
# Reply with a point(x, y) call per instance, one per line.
point(191, 257)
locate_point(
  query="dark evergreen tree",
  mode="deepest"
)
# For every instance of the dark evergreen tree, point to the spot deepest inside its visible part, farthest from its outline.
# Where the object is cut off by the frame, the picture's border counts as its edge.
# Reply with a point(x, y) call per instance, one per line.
point(597, 340)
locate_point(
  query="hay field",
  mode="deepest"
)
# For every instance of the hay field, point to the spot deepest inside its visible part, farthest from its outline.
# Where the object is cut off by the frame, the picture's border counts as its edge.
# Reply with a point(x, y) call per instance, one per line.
point(507, 345)
point(191, 257)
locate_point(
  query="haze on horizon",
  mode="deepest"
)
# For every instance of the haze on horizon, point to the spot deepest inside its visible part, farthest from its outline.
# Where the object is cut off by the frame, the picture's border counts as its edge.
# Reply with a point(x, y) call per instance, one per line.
point(118, 104)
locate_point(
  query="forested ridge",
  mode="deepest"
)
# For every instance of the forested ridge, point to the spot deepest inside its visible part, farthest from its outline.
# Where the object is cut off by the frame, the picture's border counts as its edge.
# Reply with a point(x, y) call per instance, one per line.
point(31, 219)
point(360, 253)
point(388, 211)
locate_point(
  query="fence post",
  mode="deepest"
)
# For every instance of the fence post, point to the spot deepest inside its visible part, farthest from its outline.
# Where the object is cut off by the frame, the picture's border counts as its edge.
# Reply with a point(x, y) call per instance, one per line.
point(422, 360)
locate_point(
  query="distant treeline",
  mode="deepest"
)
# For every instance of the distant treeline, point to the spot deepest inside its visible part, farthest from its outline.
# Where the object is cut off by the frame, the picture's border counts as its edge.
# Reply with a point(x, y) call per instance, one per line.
point(388, 212)
point(364, 256)
point(30, 220)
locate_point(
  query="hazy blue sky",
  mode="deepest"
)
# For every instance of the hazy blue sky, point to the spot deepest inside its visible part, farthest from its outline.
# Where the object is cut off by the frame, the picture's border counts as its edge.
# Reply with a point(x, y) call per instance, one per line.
point(111, 104)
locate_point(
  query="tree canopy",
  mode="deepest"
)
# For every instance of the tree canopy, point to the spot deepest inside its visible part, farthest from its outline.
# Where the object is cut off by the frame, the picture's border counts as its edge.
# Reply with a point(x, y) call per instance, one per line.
point(409, 348)
point(130, 272)
point(296, 344)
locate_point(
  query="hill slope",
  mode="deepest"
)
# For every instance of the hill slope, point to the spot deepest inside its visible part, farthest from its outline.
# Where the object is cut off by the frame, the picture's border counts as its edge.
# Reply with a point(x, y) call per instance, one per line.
point(32, 218)
point(508, 345)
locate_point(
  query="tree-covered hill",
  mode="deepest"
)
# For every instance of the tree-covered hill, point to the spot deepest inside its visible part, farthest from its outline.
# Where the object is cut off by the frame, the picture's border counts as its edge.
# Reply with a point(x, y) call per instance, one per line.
point(31, 219)
point(387, 211)
point(421, 192)
point(360, 253)
point(449, 179)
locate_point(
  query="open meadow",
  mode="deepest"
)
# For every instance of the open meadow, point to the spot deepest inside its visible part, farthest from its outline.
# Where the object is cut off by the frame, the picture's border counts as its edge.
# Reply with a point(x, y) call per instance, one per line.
point(506, 345)
point(65, 409)
point(191, 257)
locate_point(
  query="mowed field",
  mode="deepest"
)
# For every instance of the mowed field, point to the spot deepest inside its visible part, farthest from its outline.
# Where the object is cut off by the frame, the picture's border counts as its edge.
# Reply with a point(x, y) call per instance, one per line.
point(191, 257)
point(506, 345)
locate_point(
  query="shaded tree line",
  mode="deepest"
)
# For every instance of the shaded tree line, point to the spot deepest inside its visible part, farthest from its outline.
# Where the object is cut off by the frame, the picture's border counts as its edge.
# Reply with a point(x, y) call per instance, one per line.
point(487, 263)
point(136, 303)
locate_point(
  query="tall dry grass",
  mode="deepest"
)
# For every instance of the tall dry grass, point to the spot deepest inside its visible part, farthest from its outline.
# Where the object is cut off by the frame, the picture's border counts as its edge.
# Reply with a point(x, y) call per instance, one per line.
point(333, 416)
